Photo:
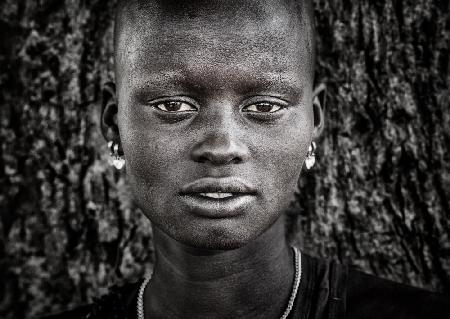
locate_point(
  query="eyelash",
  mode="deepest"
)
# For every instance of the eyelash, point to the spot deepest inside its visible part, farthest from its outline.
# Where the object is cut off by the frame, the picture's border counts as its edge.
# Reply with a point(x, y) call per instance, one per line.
point(160, 105)
point(280, 107)
point(166, 103)
point(177, 116)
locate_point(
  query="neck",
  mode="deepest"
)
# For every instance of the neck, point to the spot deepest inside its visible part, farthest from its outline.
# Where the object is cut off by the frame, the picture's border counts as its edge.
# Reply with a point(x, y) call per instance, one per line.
point(254, 281)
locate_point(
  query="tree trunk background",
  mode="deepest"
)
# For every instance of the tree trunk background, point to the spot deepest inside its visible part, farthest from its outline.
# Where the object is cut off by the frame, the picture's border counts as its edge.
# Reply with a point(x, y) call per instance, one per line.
point(378, 196)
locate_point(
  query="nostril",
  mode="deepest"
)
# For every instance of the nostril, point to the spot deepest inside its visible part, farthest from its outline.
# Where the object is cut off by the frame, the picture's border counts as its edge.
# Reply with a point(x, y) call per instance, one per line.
point(219, 149)
point(201, 159)
point(236, 160)
point(219, 156)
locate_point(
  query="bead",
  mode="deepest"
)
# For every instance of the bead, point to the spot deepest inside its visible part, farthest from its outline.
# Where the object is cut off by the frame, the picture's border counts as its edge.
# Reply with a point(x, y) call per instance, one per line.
point(311, 156)
point(119, 162)
point(310, 161)
point(115, 159)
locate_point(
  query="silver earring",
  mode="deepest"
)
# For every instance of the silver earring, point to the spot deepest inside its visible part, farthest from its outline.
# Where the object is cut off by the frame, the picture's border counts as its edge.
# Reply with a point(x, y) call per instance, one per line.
point(115, 159)
point(311, 156)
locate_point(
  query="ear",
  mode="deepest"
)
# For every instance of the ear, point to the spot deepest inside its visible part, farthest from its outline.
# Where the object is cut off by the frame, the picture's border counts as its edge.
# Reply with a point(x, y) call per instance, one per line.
point(110, 129)
point(319, 101)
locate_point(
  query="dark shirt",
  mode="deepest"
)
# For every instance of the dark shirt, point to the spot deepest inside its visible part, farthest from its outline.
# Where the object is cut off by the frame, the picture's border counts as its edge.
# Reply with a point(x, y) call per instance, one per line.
point(328, 290)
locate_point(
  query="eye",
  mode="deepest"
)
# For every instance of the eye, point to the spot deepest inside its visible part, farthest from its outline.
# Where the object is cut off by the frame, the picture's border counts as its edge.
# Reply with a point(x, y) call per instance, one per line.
point(175, 107)
point(262, 108)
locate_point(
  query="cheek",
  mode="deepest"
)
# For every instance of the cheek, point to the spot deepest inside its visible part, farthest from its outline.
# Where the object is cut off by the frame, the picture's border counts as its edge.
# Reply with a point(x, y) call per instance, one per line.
point(290, 144)
point(284, 158)
point(150, 157)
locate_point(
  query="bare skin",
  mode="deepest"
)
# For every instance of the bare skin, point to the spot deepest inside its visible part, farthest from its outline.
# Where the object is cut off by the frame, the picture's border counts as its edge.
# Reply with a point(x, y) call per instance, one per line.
point(238, 283)
point(215, 116)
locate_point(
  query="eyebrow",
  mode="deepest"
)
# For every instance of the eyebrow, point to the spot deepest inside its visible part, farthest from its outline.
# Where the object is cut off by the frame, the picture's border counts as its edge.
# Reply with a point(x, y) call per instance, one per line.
point(283, 83)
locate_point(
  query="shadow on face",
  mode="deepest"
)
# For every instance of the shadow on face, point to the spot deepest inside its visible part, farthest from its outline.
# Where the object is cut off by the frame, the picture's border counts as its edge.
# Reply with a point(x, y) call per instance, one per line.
point(215, 113)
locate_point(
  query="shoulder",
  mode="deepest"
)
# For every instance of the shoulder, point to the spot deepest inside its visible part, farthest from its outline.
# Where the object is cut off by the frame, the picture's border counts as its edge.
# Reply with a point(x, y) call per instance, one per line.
point(117, 303)
point(371, 297)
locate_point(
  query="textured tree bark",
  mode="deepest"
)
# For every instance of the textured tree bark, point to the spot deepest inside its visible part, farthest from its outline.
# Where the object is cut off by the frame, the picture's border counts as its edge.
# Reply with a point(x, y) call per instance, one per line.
point(378, 196)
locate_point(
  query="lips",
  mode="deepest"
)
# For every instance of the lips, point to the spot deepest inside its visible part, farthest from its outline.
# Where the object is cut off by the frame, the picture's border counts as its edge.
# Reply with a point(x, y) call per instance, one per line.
point(218, 197)
point(218, 188)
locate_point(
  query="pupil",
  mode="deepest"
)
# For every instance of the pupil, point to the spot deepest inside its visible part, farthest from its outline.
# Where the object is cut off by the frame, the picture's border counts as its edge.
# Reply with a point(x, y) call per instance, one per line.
point(173, 106)
point(264, 107)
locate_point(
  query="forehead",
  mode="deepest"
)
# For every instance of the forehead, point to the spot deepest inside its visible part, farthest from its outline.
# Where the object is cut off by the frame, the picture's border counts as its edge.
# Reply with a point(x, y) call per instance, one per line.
point(206, 37)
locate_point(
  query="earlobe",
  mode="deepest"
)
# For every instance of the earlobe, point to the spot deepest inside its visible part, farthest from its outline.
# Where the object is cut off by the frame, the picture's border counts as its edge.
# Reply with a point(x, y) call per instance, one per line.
point(110, 129)
point(319, 100)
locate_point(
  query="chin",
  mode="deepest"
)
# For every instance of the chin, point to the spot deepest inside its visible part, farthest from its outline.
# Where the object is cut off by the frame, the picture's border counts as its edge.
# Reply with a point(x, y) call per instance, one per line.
point(217, 244)
point(223, 243)
point(214, 238)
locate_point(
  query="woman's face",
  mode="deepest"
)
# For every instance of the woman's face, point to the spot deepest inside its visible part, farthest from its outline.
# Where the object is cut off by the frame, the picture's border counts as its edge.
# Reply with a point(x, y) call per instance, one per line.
point(215, 118)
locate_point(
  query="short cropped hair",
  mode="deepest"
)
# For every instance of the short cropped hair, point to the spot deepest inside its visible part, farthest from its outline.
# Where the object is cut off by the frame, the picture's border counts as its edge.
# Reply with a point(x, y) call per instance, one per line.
point(133, 10)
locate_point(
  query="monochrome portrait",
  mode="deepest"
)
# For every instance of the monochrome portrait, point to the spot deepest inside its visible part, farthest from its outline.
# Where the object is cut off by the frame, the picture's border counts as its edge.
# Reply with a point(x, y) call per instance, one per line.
point(225, 159)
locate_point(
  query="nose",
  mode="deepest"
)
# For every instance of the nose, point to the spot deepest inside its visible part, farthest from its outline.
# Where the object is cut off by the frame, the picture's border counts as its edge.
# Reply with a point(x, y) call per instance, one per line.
point(220, 148)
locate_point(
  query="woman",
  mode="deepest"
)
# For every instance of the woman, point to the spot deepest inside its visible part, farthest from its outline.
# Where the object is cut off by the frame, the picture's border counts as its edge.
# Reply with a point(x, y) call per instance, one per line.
point(213, 115)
